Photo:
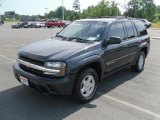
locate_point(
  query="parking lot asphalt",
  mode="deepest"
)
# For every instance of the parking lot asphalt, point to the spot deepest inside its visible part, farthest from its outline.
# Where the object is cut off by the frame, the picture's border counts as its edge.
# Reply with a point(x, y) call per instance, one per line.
point(122, 96)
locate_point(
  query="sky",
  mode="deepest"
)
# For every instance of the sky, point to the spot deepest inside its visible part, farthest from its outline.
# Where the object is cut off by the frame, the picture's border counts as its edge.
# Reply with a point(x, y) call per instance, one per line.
point(35, 7)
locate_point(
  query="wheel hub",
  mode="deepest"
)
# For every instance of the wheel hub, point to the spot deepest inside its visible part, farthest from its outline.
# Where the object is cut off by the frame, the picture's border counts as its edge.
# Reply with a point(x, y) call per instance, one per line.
point(88, 85)
point(141, 62)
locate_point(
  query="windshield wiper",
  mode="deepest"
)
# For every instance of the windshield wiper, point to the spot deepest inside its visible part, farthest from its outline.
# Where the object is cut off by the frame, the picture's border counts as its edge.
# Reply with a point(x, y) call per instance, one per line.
point(78, 39)
point(82, 40)
point(61, 37)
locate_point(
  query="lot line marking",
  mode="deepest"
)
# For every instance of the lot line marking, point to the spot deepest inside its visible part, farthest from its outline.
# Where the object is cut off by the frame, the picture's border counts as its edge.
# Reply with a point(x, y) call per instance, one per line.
point(6, 63)
point(156, 38)
point(21, 44)
point(153, 64)
point(154, 49)
point(157, 73)
point(130, 105)
point(153, 57)
point(8, 58)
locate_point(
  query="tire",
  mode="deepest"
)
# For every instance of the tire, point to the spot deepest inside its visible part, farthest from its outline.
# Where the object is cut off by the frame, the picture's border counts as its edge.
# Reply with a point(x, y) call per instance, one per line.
point(86, 85)
point(139, 66)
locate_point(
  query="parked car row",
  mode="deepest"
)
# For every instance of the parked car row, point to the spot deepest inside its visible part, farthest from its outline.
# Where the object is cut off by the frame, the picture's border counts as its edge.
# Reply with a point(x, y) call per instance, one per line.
point(58, 23)
point(48, 24)
point(28, 25)
point(34, 25)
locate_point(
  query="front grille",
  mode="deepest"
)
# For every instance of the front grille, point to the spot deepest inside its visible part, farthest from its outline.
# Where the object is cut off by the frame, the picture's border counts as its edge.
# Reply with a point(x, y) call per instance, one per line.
point(31, 70)
point(36, 72)
point(30, 60)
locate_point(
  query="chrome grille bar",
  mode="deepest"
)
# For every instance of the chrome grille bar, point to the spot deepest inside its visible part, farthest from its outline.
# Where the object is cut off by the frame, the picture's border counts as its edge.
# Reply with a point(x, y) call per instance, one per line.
point(36, 67)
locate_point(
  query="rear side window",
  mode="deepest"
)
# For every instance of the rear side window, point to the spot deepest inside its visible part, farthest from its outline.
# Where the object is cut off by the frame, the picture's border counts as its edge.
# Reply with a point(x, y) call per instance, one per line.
point(117, 29)
point(140, 28)
point(130, 30)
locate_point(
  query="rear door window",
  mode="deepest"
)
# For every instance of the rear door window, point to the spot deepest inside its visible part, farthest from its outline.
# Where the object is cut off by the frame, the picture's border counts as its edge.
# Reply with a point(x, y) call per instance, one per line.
point(117, 30)
point(130, 30)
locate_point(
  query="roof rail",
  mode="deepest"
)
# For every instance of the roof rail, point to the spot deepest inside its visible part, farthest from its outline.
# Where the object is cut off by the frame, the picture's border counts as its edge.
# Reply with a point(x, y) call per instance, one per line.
point(114, 17)
point(118, 17)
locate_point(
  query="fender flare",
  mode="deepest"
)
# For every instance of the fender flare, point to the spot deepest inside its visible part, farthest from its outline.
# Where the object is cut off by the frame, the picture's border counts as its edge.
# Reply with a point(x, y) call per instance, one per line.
point(89, 60)
point(141, 46)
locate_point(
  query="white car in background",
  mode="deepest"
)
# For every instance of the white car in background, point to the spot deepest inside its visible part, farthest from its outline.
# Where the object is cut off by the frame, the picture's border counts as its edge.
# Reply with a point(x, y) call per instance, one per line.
point(66, 22)
point(39, 25)
point(146, 23)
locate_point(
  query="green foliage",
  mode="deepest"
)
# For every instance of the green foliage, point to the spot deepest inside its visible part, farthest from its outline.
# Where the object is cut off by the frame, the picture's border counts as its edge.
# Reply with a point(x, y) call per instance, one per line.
point(72, 15)
point(10, 20)
point(76, 5)
point(134, 8)
point(156, 25)
point(17, 18)
point(104, 8)
point(28, 18)
point(58, 12)
point(143, 9)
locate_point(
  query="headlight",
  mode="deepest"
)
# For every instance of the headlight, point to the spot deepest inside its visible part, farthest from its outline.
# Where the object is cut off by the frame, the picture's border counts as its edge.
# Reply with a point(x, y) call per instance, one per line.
point(59, 67)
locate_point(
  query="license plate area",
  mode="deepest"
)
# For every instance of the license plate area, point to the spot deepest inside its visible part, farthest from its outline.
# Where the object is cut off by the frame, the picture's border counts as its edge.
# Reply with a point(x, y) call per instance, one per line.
point(24, 80)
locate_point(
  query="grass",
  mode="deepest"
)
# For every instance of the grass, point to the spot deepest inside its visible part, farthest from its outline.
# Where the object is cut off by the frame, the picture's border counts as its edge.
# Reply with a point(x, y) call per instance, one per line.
point(156, 25)
point(11, 20)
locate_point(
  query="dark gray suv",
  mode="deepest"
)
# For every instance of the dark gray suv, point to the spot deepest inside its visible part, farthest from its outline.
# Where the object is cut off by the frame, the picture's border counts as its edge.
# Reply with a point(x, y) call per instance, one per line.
point(81, 55)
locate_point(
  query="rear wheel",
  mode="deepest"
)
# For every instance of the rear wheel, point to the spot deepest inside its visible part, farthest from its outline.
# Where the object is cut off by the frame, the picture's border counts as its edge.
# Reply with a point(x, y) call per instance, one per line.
point(139, 66)
point(86, 85)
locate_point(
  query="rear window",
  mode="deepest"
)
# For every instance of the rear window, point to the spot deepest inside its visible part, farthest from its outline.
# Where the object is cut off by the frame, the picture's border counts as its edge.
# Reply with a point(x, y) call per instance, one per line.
point(140, 28)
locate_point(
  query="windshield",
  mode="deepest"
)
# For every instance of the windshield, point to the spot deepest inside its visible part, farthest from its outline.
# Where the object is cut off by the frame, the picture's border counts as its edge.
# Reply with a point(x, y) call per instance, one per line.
point(89, 31)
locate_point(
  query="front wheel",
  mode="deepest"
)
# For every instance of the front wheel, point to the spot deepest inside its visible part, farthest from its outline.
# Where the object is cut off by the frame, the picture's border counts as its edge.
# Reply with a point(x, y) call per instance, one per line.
point(86, 86)
point(139, 66)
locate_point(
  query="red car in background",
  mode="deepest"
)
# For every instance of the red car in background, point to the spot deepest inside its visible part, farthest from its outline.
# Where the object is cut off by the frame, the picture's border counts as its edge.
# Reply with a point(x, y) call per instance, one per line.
point(54, 23)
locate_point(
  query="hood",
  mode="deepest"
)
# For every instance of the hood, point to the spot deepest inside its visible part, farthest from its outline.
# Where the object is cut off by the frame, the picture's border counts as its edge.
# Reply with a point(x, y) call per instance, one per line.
point(53, 49)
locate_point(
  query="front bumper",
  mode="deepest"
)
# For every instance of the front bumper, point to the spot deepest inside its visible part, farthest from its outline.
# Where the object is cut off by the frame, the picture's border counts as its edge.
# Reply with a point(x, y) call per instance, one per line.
point(63, 85)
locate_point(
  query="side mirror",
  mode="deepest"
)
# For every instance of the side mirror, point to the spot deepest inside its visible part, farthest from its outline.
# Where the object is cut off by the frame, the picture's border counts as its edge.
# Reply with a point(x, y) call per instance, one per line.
point(113, 40)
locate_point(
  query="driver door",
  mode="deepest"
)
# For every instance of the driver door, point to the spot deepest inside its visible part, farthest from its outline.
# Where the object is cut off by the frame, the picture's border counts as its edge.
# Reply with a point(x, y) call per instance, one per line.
point(116, 54)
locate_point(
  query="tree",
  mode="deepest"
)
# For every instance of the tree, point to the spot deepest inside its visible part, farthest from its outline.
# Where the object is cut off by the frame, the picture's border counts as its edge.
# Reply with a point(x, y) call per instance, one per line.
point(104, 8)
point(141, 9)
point(76, 5)
point(157, 14)
point(58, 13)
point(51, 14)
point(158, 9)
point(114, 9)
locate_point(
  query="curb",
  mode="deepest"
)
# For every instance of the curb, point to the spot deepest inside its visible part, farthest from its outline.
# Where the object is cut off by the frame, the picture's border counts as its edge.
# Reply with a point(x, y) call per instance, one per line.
point(156, 38)
point(154, 29)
